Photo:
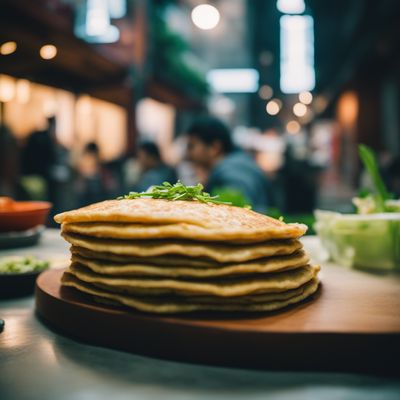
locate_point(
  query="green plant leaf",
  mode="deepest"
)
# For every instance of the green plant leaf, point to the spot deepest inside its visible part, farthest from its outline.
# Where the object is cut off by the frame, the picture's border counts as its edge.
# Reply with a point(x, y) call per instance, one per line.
point(368, 158)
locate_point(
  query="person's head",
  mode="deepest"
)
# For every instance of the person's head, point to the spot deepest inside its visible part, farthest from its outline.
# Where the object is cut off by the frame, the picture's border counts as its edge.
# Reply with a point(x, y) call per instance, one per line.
point(209, 140)
point(9, 155)
point(89, 162)
point(148, 155)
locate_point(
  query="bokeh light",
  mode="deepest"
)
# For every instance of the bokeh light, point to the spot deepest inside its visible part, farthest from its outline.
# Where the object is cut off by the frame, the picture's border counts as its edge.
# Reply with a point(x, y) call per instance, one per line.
point(48, 51)
point(293, 127)
point(205, 16)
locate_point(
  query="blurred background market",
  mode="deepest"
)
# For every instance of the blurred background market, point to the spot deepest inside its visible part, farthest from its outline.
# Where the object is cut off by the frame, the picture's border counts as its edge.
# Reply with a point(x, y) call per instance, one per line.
point(262, 101)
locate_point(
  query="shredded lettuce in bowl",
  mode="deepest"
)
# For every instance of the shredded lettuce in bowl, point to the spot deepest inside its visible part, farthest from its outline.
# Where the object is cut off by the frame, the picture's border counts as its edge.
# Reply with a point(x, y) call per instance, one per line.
point(380, 200)
point(369, 238)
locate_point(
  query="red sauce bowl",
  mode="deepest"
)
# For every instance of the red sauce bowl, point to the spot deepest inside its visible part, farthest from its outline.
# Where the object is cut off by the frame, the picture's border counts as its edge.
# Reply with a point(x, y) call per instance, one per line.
point(22, 215)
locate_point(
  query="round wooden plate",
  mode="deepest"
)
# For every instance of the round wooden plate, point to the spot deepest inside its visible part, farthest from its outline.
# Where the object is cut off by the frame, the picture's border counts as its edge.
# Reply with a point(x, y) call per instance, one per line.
point(351, 324)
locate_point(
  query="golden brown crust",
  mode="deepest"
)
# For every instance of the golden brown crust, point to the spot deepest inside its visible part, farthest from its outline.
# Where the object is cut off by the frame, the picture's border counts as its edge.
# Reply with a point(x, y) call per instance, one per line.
point(212, 221)
point(269, 302)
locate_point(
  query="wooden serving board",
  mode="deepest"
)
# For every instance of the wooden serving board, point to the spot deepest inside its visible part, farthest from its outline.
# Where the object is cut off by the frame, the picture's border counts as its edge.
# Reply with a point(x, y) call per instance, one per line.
point(351, 324)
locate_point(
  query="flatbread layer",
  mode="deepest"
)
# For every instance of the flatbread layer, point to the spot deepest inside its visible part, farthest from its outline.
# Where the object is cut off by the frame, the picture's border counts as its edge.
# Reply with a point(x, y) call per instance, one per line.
point(228, 287)
point(178, 230)
point(287, 247)
point(214, 222)
point(149, 248)
point(265, 265)
point(171, 306)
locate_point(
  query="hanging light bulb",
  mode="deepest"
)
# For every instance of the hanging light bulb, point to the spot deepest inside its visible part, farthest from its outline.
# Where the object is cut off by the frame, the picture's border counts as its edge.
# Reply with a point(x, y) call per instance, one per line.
point(205, 16)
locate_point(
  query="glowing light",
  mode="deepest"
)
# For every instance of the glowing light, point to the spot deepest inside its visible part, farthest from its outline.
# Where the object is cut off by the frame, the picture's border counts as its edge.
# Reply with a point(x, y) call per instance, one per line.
point(265, 92)
point(84, 104)
point(92, 20)
point(291, 6)
point(7, 88)
point(347, 109)
point(305, 97)
point(299, 110)
point(297, 53)
point(8, 48)
point(23, 91)
point(236, 80)
point(221, 105)
point(205, 16)
point(273, 107)
point(293, 127)
point(117, 8)
point(97, 17)
point(48, 51)
point(49, 106)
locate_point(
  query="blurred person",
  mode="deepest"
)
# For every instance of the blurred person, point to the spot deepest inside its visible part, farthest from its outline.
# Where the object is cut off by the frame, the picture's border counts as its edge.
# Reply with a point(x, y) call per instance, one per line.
point(9, 165)
point(91, 186)
point(210, 146)
point(300, 183)
point(46, 158)
point(153, 170)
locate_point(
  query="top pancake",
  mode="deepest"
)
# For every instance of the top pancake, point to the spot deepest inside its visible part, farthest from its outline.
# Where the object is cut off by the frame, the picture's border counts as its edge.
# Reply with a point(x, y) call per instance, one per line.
point(193, 219)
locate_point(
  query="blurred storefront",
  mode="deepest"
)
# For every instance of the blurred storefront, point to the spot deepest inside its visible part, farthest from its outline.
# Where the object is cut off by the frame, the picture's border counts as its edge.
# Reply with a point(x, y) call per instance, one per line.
point(300, 83)
point(79, 119)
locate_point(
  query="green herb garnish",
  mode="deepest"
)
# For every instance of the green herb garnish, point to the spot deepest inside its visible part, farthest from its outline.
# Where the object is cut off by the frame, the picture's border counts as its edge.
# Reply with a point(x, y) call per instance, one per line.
point(178, 191)
point(371, 165)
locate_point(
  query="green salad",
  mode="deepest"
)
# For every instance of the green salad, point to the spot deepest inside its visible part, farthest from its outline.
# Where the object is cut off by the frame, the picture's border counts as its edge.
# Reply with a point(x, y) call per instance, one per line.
point(369, 238)
point(378, 200)
point(21, 265)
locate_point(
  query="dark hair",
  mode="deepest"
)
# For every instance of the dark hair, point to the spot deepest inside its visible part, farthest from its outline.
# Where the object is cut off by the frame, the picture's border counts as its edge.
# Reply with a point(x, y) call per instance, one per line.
point(210, 130)
point(91, 147)
point(151, 149)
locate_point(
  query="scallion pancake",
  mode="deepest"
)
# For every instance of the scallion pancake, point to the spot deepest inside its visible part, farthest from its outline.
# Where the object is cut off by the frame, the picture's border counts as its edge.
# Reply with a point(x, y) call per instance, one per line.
point(270, 264)
point(214, 222)
point(173, 260)
point(228, 287)
point(149, 248)
point(164, 305)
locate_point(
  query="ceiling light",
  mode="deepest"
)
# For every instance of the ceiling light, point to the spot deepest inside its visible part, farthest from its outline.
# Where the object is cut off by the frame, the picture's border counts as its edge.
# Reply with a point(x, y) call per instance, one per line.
point(8, 48)
point(273, 107)
point(233, 80)
point(205, 16)
point(291, 6)
point(299, 110)
point(117, 8)
point(305, 97)
point(48, 51)
point(293, 127)
point(297, 73)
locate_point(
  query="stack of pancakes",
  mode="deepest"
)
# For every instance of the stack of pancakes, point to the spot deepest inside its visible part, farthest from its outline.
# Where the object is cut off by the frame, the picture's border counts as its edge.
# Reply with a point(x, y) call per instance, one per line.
point(166, 256)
